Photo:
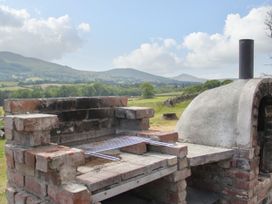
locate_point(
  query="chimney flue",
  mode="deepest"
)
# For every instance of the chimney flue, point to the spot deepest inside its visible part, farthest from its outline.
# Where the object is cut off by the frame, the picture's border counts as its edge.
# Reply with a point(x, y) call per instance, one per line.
point(246, 58)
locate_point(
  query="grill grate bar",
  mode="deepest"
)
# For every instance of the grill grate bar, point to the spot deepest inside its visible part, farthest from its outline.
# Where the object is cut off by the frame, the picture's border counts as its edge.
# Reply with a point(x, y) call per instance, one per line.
point(103, 156)
point(118, 142)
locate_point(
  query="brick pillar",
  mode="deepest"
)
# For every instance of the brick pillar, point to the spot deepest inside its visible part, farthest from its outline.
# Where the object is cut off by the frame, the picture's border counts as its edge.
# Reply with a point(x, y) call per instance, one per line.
point(133, 118)
point(243, 175)
point(172, 188)
point(40, 172)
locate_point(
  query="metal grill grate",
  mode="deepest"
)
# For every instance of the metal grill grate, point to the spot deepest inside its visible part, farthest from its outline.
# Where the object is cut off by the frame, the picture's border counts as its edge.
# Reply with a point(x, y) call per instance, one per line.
point(115, 143)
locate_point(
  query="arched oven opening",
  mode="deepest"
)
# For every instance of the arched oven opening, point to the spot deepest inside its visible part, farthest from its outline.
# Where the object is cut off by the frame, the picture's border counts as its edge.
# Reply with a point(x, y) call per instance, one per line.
point(264, 128)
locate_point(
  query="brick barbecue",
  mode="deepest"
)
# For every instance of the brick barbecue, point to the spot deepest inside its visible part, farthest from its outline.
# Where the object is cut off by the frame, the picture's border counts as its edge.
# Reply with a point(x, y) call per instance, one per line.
point(88, 150)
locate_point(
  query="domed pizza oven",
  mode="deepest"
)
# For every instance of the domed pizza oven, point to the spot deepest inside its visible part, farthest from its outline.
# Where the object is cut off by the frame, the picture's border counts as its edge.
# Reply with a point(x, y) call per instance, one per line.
point(235, 116)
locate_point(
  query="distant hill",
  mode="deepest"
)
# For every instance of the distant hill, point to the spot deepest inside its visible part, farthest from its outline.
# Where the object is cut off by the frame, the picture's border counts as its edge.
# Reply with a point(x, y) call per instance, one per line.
point(15, 67)
point(133, 76)
point(18, 67)
point(190, 78)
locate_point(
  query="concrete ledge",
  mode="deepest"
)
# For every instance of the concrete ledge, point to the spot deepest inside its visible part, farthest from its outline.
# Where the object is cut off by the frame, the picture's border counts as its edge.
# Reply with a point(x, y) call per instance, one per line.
point(98, 176)
point(202, 154)
point(132, 184)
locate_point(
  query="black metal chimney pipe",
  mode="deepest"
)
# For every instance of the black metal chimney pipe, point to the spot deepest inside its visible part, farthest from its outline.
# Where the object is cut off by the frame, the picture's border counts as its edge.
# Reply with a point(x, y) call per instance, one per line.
point(246, 59)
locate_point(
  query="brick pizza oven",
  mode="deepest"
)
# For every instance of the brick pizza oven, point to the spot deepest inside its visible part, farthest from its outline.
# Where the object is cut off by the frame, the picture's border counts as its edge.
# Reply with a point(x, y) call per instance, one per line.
point(236, 116)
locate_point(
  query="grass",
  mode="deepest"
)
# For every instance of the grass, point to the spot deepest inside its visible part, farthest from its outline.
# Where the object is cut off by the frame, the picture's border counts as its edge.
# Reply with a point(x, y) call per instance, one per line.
point(11, 88)
point(157, 104)
point(156, 123)
point(3, 178)
point(171, 94)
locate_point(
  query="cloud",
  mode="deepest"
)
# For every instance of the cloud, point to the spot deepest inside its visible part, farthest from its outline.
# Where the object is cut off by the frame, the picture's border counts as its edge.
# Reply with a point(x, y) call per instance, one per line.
point(85, 27)
point(156, 56)
point(48, 39)
point(200, 49)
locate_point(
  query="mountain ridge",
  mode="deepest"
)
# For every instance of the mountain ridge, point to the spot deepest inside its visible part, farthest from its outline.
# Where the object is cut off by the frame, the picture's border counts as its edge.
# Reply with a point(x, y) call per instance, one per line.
point(188, 77)
point(15, 67)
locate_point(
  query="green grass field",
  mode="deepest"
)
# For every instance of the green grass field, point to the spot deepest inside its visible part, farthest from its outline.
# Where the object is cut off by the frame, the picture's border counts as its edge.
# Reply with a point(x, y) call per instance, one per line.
point(157, 123)
point(2, 165)
point(3, 177)
point(157, 104)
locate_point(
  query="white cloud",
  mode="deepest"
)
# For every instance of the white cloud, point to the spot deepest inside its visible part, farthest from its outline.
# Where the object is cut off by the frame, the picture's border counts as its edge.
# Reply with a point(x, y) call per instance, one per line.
point(47, 39)
point(156, 56)
point(85, 27)
point(199, 49)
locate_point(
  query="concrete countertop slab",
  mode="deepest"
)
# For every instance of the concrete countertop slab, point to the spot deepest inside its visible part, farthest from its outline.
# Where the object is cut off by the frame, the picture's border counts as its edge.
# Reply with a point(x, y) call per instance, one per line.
point(202, 154)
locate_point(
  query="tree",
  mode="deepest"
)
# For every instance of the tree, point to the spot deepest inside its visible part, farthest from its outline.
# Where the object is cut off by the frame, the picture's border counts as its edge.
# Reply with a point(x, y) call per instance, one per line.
point(210, 84)
point(226, 81)
point(268, 23)
point(148, 90)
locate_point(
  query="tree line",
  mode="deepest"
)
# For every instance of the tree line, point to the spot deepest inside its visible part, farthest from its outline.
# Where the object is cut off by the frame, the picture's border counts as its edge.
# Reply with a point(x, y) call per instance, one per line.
point(146, 90)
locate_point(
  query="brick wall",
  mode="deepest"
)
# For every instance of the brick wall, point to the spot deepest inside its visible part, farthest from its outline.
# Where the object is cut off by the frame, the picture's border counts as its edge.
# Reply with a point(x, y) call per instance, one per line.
point(79, 118)
point(37, 171)
point(82, 119)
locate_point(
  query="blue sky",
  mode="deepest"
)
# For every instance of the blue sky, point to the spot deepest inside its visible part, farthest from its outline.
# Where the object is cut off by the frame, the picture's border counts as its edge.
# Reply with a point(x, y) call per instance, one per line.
point(158, 36)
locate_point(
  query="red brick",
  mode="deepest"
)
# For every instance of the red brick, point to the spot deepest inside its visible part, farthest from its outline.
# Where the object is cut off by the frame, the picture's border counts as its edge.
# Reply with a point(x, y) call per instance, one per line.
point(69, 194)
point(9, 156)
point(19, 154)
point(182, 163)
point(176, 197)
point(178, 150)
point(24, 169)
point(15, 179)
point(20, 198)
point(159, 136)
point(9, 125)
point(31, 139)
point(134, 112)
point(111, 101)
point(245, 175)
point(245, 185)
point(8, 134)
point(238, 193)
point(55, 156)
point(30, 159)
point(179, 175)
point(168, 136)
point(35, 122)
point(33, 200)
point(135, 149)
point(50, 177)
point(9, 122)
point(130, 124)
point(244, 201)
point(35, 186)
point(178, 186)
point(22, 106)
point(10, 195)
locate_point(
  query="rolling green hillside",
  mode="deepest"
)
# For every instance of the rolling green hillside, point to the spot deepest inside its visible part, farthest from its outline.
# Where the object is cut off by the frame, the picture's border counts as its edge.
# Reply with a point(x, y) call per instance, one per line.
point(14, 67)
